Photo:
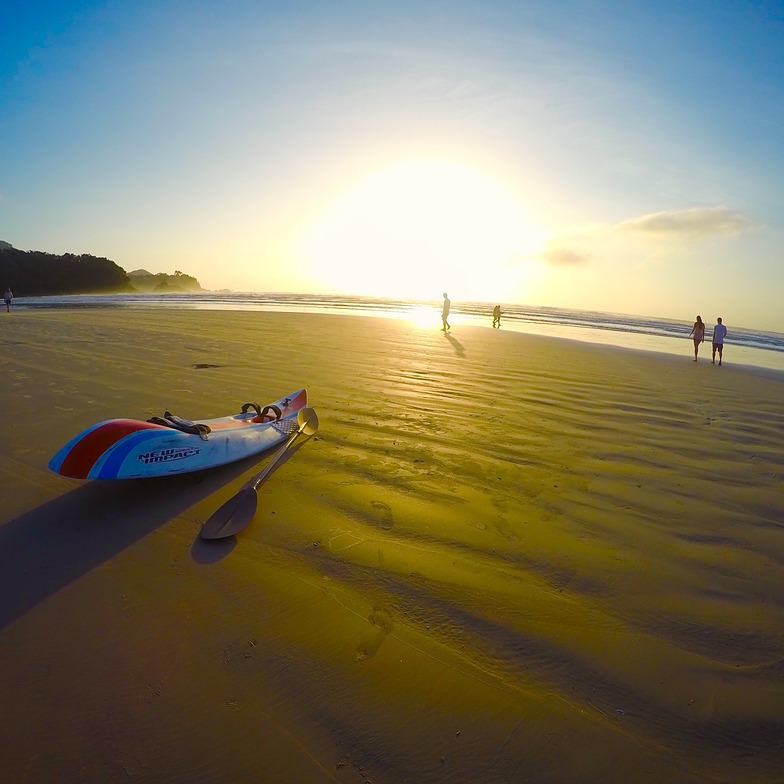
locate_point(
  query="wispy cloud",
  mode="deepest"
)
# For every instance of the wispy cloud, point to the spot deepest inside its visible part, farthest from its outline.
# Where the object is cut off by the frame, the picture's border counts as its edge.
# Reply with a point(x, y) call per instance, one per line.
point(564, 257)
point(654, 236)
point(692, 225)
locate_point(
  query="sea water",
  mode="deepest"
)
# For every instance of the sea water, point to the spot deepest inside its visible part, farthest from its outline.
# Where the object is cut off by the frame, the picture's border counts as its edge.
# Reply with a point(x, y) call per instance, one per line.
point(743, 346)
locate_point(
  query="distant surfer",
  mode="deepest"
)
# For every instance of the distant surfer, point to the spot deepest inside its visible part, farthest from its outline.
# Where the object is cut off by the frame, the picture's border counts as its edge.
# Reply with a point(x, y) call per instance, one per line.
point(7, 297)
point(719, 333)
point(445, 312)
point(698, 334)
point(497, 316)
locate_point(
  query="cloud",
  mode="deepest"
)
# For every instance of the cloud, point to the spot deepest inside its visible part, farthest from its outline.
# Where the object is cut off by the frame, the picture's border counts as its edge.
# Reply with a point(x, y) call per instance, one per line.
point(695, 224)
point(653, 236)
point(563, 257)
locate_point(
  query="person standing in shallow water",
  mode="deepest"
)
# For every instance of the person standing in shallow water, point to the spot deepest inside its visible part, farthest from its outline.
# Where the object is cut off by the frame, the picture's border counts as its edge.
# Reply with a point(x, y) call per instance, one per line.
point(7, 297)
point(719, 333)
point(445, 313)
point(698, 334)
point(497, 316)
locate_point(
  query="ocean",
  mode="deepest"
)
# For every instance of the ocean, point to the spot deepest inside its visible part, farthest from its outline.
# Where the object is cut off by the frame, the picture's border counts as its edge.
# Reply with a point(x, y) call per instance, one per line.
point(743, 346)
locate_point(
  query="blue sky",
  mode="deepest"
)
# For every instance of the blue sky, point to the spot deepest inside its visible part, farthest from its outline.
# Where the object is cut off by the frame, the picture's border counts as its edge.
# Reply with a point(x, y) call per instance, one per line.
point(624, 157)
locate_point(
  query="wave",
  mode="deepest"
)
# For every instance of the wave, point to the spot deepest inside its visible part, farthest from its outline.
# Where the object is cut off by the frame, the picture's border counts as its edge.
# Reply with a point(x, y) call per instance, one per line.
point(522, 317)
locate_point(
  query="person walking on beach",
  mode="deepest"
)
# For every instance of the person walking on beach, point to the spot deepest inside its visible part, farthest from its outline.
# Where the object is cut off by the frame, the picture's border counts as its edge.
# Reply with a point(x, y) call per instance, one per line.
point(719, 333)
point(445, 312)
point(698, 333)
point(7, 297)
point(497, 316)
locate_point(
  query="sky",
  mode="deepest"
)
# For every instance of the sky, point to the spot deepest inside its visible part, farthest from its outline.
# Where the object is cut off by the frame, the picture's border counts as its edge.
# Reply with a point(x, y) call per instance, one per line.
point(625, 157)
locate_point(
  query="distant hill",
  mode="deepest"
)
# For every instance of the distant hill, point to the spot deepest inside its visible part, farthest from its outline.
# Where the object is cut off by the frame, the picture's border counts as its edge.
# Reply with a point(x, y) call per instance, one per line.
point(35, 273)
point(145, 281)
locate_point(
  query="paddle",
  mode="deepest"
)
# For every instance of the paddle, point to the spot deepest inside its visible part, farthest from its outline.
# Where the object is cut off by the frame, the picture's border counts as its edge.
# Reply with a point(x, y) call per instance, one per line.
point(240, 509)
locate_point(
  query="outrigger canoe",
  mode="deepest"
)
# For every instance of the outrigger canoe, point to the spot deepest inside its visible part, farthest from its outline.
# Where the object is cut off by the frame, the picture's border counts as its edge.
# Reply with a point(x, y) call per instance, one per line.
point(161, 446)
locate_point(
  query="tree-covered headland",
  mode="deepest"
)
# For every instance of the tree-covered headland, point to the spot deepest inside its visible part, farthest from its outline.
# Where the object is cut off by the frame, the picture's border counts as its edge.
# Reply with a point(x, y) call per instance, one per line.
point(35, 273)
point(161, 283)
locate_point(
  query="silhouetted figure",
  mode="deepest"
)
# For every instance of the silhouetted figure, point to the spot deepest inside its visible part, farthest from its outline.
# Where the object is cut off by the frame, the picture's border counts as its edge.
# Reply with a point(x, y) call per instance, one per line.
point(445, 313)
point(497, 316)
point(698, 333)
point(7, 297)
point(719, 333)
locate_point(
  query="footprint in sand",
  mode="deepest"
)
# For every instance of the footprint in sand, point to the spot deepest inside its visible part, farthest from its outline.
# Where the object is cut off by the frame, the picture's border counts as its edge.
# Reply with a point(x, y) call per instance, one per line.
point(385, 512)
point(381, 618)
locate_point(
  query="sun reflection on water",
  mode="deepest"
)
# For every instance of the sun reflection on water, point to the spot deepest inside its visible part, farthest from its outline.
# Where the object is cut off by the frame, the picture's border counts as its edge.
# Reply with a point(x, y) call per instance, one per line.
point(423, 317)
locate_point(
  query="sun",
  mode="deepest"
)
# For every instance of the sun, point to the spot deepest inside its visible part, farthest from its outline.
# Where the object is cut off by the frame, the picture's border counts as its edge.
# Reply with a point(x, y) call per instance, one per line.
point(420, 227)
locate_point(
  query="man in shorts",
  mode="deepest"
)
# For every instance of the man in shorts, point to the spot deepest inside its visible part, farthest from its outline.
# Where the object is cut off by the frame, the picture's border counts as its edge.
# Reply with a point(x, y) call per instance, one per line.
point(719, 333)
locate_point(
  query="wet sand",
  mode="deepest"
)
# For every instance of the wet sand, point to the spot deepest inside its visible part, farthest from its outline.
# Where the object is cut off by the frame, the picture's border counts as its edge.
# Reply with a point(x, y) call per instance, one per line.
point(503, 558)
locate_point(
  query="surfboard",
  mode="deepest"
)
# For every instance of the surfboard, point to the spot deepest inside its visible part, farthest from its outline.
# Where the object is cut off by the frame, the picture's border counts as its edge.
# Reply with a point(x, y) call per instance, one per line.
point(162, 446)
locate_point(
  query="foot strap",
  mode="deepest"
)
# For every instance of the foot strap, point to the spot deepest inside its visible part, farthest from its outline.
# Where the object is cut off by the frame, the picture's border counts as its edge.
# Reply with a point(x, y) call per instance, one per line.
point(262, 412)
point(185, 425)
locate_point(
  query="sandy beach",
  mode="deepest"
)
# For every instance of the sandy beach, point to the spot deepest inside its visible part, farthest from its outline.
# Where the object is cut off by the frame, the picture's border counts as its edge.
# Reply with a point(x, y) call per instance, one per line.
point(503, 558)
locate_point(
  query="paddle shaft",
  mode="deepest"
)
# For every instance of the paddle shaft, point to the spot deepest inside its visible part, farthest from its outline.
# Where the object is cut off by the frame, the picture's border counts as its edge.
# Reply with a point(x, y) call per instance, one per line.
point(262, 475)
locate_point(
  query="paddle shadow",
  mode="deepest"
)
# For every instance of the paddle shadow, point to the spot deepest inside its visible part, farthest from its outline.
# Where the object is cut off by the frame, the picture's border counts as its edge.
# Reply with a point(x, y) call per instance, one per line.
point(54, 544)
point(456, 345)
point(209, 551)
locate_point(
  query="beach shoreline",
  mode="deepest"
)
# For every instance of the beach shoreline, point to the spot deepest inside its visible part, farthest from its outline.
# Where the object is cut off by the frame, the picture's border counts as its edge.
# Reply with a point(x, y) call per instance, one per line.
point(503, 557)
point(747, 347)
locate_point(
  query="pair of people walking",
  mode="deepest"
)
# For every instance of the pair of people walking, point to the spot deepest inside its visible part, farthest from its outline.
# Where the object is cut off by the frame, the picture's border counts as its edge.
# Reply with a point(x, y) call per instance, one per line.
point(698, 335)
point(448, 305)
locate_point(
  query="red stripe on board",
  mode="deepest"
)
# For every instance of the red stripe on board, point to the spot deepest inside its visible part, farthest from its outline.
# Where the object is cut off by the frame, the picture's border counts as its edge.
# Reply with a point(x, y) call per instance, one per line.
point(86, 451)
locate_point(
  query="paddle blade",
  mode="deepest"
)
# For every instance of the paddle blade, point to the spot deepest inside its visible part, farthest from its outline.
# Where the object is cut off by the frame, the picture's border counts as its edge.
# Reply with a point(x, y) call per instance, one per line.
point(232, 517)
point(308, 421)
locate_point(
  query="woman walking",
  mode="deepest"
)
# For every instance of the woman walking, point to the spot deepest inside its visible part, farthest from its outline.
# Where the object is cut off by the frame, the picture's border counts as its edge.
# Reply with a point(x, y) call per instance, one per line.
point(698, 333)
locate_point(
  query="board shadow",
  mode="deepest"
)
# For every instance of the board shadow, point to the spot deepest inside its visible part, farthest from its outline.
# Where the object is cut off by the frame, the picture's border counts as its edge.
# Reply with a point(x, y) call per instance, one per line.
point(45, 549)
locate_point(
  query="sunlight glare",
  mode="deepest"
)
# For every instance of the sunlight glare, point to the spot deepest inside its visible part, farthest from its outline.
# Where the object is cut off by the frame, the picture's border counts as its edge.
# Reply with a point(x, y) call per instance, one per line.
point(421, 227)
point(423, 317)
